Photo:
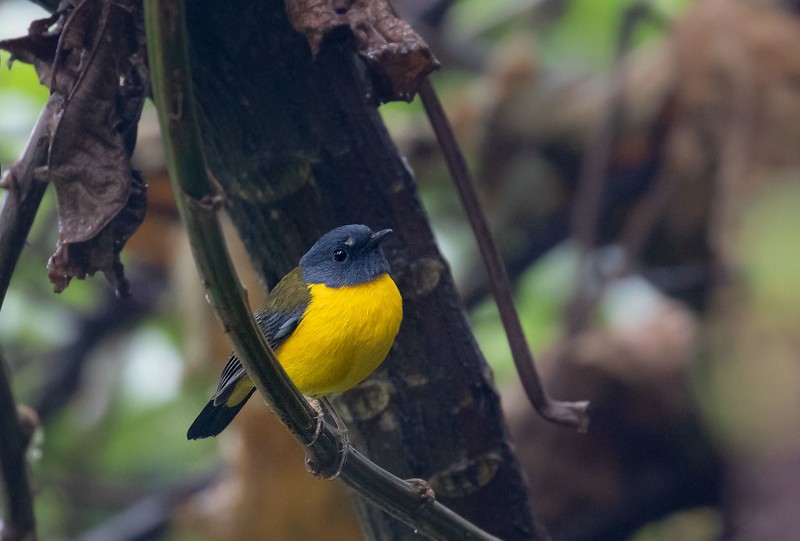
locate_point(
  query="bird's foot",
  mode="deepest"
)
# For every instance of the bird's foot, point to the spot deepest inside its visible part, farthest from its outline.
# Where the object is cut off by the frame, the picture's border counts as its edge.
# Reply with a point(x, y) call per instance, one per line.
point(329, 471)
point(320, 418)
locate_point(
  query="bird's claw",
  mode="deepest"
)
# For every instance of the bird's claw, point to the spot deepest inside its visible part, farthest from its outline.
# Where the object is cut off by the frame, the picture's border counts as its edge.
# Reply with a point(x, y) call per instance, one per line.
point(331, 472)
point(314, 403)
point(342, 439)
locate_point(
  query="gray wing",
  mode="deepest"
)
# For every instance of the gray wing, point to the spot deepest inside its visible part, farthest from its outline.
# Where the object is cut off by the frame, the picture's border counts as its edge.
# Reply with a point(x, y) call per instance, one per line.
point(276, 326)
point(284, 309)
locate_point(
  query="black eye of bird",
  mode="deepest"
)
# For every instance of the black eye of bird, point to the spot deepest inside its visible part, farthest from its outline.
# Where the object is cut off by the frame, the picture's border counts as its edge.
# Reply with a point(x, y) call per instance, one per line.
point(339, 255)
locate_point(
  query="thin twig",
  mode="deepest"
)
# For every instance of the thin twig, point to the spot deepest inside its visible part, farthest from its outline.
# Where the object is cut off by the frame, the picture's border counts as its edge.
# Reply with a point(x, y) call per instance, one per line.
point(148, 517)
point(19, 522)
point(593, 175)
point(573, 414)
point(642, 223)
point(172, 90)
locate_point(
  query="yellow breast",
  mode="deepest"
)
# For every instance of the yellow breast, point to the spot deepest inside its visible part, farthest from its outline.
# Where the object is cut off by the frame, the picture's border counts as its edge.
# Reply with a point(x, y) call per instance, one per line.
point(344, 335)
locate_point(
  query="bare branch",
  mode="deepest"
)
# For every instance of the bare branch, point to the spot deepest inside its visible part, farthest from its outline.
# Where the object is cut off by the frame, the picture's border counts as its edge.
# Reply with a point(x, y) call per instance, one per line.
point(24, 192)
point(49, 5)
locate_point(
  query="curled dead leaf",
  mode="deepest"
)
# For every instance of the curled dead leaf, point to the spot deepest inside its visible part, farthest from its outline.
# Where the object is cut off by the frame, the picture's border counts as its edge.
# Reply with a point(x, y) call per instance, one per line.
point(398, 57)
point(38, 48)
point(101, 251)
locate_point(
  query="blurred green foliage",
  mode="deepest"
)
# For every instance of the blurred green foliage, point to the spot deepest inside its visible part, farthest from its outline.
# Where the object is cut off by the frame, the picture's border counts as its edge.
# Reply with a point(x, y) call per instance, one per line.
point(701, 524)
point(773, 253)
point(579, 35)
point(585, 36)
point(748, 386)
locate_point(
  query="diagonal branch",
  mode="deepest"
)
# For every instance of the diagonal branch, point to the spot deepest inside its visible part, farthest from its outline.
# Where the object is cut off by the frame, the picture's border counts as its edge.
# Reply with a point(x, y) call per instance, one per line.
point(50, 5)
point(197, 202)
point(24, 191)
point(566, 413)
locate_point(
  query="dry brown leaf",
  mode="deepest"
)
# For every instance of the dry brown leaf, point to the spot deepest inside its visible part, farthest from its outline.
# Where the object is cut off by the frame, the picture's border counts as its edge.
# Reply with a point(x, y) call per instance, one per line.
point(91, 54)
point(398, 57)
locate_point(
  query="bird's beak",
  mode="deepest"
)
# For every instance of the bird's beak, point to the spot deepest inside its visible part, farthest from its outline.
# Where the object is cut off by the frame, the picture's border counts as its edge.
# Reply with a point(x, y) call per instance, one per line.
point(377, 238)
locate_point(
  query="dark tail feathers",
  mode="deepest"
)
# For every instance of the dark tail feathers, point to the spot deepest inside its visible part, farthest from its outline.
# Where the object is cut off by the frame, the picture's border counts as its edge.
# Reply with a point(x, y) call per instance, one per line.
point(213, 419)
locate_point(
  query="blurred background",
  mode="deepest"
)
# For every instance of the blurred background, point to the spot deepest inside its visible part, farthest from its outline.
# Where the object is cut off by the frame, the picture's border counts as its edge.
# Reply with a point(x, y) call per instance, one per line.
point(638, 162)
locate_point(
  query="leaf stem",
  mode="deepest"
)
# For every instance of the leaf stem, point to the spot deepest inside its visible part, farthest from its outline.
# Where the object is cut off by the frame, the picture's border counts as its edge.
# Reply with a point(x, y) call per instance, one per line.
point(573, 414)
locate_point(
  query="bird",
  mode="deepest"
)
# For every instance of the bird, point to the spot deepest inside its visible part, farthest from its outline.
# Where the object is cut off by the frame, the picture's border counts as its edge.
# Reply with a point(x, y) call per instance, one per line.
point(331, 322)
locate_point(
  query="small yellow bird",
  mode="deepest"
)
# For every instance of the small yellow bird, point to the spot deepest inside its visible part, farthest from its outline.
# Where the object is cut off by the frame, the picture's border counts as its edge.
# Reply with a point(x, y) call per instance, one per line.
point(331, 322)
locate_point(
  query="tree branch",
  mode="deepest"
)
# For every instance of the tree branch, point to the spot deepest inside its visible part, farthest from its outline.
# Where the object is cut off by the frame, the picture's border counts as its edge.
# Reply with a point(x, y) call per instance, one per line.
point(149, 517)
point(172, 90)
point(573, 414)
point(24, 192)
point(16, 430)
point(50, 5)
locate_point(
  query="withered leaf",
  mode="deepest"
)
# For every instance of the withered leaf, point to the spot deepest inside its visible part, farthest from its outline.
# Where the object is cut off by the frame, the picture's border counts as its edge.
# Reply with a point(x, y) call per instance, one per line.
point(38, 47)
point(101, 252)
point(398, 57)
point(97, 69)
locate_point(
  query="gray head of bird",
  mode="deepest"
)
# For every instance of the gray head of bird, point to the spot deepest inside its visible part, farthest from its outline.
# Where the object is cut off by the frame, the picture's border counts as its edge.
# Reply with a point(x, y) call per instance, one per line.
point(346, 256)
